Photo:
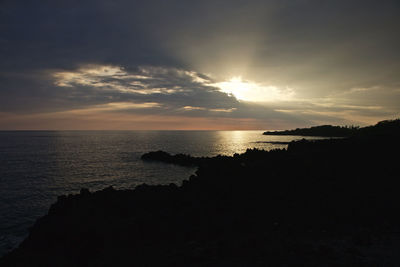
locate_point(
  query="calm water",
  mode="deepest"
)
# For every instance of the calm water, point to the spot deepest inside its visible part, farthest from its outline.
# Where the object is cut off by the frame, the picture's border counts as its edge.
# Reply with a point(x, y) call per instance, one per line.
point(37, 166)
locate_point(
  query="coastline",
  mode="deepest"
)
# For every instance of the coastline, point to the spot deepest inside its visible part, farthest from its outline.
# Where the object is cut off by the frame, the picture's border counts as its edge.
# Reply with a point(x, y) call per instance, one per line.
point(327, 202)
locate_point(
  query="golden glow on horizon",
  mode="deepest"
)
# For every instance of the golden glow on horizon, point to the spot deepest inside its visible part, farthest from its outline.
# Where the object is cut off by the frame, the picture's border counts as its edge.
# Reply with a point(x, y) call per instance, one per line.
point(254, 92)
point(94, 120)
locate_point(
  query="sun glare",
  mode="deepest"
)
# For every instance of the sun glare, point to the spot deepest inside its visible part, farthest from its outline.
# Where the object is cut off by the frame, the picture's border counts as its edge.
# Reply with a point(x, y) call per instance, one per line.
point(250, 91)
point(236, 87)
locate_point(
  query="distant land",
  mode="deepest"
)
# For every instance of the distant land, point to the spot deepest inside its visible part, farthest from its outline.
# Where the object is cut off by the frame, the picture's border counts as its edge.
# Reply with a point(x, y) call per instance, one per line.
point(382, 127)
point(331, 202)
point(323, 130)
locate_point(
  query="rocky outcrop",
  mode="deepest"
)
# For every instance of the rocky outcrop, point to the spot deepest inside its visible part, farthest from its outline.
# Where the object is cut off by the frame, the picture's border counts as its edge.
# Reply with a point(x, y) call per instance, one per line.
point(178, 159)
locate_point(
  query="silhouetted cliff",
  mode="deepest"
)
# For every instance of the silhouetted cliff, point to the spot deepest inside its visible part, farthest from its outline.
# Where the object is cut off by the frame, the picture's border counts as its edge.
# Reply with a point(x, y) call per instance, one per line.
point(319, 203)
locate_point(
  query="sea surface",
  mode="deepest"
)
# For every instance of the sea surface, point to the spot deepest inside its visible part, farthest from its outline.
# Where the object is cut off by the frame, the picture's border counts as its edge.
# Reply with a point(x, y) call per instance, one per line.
point(38, 166)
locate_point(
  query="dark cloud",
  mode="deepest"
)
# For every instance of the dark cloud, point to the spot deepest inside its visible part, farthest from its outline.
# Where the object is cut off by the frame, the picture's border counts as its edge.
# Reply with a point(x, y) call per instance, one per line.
point(341, 58)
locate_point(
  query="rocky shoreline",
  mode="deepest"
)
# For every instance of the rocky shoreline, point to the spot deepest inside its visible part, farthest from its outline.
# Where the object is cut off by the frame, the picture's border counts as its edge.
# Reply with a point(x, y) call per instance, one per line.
point(319, 203)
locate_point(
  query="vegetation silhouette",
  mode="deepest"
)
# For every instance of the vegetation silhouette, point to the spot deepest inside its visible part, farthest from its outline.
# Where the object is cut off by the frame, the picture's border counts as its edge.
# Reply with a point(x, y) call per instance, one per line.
point(331, 202)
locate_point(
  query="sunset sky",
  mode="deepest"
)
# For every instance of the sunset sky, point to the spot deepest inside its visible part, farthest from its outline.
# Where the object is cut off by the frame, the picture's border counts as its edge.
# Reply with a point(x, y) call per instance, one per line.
point(218, 65)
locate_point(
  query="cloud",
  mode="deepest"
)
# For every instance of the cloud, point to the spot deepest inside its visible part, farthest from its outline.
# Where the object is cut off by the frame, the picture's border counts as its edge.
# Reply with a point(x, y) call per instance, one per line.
point(172, 87)
point(147, 90)
point(176, 92)
point(119, 56)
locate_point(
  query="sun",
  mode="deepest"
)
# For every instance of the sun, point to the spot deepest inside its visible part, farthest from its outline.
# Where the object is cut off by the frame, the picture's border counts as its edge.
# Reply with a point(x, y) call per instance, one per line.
point(236, 87)
point(254, 92)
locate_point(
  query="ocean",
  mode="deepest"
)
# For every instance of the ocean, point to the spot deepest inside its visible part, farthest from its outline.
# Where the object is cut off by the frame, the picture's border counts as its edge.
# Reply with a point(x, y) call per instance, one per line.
point(38, 166)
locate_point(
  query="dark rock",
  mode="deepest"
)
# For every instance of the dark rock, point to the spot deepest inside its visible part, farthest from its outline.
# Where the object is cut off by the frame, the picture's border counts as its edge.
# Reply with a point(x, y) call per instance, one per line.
point(84, 192)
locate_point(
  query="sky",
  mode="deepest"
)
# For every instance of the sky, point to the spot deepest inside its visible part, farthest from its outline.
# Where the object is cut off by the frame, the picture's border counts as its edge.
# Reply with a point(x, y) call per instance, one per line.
point(198, 65)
